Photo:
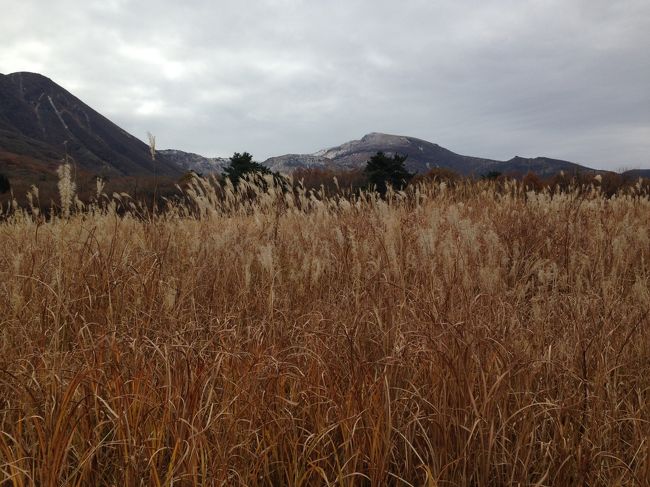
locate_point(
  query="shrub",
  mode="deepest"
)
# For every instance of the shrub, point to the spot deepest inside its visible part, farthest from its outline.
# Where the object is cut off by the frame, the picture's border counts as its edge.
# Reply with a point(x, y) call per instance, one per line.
point(333, 182)
point(532, 182)
point(438, 175)
point(5, 185)
point(492, 175)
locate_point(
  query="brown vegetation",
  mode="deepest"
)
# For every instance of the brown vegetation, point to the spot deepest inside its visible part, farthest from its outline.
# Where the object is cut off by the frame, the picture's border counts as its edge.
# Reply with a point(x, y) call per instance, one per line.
point(332, 182)
point(443, 336)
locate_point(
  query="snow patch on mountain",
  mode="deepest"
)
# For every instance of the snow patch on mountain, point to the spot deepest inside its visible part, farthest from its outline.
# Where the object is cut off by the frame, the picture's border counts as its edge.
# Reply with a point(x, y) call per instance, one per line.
point(58, 114)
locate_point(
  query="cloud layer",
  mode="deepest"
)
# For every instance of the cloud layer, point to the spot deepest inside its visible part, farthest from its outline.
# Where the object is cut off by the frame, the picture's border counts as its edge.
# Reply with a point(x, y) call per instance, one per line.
point(496, 78)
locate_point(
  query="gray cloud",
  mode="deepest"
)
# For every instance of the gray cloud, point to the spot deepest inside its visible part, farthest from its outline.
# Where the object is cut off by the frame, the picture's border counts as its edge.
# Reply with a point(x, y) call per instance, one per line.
point(567, 79)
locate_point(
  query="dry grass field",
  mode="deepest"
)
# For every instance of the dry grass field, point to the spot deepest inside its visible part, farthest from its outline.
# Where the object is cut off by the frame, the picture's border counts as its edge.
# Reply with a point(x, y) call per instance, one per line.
point(444, 337)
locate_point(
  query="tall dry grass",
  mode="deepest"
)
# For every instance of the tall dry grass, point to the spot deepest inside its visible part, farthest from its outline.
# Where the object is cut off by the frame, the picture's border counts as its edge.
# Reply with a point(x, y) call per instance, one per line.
point(462, 336)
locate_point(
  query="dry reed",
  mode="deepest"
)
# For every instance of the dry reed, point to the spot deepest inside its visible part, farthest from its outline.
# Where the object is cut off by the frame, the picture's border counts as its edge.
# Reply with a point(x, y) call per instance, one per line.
point(451, 336)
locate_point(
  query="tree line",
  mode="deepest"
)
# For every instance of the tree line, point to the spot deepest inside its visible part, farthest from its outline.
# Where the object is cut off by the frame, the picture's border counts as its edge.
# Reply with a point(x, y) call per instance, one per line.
point(380, 172)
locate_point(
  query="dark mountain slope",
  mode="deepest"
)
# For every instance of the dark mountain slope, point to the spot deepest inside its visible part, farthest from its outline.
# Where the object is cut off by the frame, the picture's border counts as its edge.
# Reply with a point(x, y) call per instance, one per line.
point(637, 173)
point(41, 120)
point(542, 166)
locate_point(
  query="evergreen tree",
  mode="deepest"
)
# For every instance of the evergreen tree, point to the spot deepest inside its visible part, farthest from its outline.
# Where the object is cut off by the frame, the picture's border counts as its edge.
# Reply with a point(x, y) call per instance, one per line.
point(241, 165)
point(491, 175)
point(382, 170)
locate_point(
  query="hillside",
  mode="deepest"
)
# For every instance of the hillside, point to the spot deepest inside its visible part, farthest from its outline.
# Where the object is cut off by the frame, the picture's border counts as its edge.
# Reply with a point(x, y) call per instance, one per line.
point(40, 121)
point(422, 156)
point(189, 161)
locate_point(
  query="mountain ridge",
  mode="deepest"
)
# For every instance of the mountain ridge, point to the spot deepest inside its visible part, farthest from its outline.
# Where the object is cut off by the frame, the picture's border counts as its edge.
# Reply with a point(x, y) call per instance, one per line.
point(41, 119)
point(41, 123)
point(189, 161)
point(422, 156)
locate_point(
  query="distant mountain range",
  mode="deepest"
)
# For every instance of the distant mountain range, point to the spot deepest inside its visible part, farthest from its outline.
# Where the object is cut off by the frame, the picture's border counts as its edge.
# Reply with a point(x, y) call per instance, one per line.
point(188, 161)
point(422, 156)
point(40, 122)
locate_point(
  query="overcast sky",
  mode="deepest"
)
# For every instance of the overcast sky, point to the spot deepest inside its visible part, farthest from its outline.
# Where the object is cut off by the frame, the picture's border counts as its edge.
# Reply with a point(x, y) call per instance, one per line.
point(495, 78)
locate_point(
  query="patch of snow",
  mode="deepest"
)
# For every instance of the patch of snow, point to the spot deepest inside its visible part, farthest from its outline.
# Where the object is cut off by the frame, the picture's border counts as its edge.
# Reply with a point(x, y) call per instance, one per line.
point(57, 112)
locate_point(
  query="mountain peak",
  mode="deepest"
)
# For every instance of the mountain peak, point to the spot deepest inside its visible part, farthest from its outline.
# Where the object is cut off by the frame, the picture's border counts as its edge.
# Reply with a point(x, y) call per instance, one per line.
point(422, 155)
point(381, 138)
point(42, 119)
point(32, 78)
point(28, 74)
point(375, 135)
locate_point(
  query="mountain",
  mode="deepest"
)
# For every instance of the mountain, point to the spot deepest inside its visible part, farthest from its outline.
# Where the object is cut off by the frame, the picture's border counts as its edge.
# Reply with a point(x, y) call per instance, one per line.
point(542, 166)
point(40, 121)
point(422, 156)
point(638, 173)
point(189, 161)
